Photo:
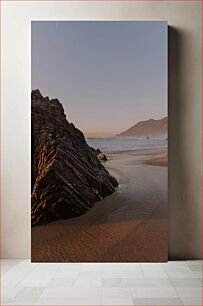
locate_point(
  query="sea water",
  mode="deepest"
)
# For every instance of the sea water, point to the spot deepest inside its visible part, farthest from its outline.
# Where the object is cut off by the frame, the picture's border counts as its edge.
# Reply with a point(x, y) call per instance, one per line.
point(110, 145)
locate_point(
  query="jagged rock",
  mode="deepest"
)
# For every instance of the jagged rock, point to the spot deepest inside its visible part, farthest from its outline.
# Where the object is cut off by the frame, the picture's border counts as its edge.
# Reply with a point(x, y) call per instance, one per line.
point(100, 155)
point(67, 177)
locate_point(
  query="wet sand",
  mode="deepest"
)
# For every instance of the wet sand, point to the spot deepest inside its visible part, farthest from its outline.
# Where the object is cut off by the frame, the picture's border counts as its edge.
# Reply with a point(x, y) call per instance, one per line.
point(128, 226)
point(160, 161)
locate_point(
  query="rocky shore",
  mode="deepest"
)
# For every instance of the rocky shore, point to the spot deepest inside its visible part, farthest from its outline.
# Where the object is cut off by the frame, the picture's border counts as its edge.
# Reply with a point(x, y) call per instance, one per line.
point(67, 177)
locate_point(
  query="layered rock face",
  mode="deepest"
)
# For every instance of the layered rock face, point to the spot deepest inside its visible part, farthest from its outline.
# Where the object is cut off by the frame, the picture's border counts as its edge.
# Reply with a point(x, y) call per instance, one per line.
point(67, 177)
point(100, 155)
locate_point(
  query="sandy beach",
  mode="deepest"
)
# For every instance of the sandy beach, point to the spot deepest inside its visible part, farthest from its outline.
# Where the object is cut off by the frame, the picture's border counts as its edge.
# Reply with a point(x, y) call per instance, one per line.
point(128, 226)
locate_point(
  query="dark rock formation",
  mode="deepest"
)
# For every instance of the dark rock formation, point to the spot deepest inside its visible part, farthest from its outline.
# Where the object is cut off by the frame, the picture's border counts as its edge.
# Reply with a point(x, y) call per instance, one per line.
point(67, 178)
point(99, 154)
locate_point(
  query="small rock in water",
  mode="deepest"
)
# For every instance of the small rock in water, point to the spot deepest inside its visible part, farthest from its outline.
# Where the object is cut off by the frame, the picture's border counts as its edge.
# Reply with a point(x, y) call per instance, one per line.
point(101, 156)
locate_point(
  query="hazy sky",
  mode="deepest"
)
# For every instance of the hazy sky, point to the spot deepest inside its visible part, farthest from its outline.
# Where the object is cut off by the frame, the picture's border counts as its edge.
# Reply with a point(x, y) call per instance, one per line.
point(108, 75)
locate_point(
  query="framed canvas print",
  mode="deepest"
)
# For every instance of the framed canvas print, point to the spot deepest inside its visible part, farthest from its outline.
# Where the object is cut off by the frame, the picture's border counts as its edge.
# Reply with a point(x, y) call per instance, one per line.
point(99, 141)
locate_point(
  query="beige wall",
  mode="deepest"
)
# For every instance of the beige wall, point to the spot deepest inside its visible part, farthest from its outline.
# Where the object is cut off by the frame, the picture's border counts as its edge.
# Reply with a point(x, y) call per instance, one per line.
point(184, 18)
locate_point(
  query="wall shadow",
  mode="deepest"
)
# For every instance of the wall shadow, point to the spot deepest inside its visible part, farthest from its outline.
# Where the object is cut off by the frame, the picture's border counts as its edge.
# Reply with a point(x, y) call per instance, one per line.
point(182, 235)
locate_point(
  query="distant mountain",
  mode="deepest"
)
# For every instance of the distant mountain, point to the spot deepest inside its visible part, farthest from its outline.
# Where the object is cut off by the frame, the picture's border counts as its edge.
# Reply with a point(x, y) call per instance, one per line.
point(148, 128)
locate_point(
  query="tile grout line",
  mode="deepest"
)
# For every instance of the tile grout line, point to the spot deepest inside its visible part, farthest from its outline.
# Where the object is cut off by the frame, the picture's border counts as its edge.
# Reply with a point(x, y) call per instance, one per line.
point(21, 279)
point(180, 298)
point(174, 288)
point(46, 286)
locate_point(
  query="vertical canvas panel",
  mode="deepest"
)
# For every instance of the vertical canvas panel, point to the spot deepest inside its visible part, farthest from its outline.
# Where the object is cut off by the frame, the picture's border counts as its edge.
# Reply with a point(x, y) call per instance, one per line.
point(99, 141)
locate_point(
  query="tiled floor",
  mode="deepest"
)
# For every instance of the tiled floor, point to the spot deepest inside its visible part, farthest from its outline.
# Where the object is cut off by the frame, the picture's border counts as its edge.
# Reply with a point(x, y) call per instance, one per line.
point(172, 283)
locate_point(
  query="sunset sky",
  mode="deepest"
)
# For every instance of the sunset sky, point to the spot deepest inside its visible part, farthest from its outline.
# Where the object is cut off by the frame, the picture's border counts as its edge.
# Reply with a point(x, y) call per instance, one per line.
point(108, 75)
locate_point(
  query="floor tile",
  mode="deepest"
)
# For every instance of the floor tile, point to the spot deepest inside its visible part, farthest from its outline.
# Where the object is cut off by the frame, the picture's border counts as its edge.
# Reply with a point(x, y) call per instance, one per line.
point(193, 262)
point(61, 282)
point(185, 282)
point(70, 266)
point(117, 301)
point(90, 274)
point(115, 292)
point(14, 276)
point(69, 301)
point(73, 292)
point(9, 292)
point(97, 267)
point(112, 282)
point(157, 301)
point(122, 274)
point(11, 261)
point(89, 282)
point(196, 268)
point(112, 267)
point(6, 268)
point(4, 301)
point(156, 274)
point(37, 279)
point(178, 274)
point(198, 274)
point(90, 278)
point(175, 263)
point(147, 292)
point(177, 268)
point(147, 282)
point(152, 267)
point(46, 267)
point(189, 291)
point(67, 274)
point(28, 292)
point(21, 301)
point(192, 301)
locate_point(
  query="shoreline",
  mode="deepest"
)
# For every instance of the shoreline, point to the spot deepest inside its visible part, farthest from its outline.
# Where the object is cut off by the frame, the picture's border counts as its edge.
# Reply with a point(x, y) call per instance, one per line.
point(139, 151)
point(153, 157)
point(161, 161)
